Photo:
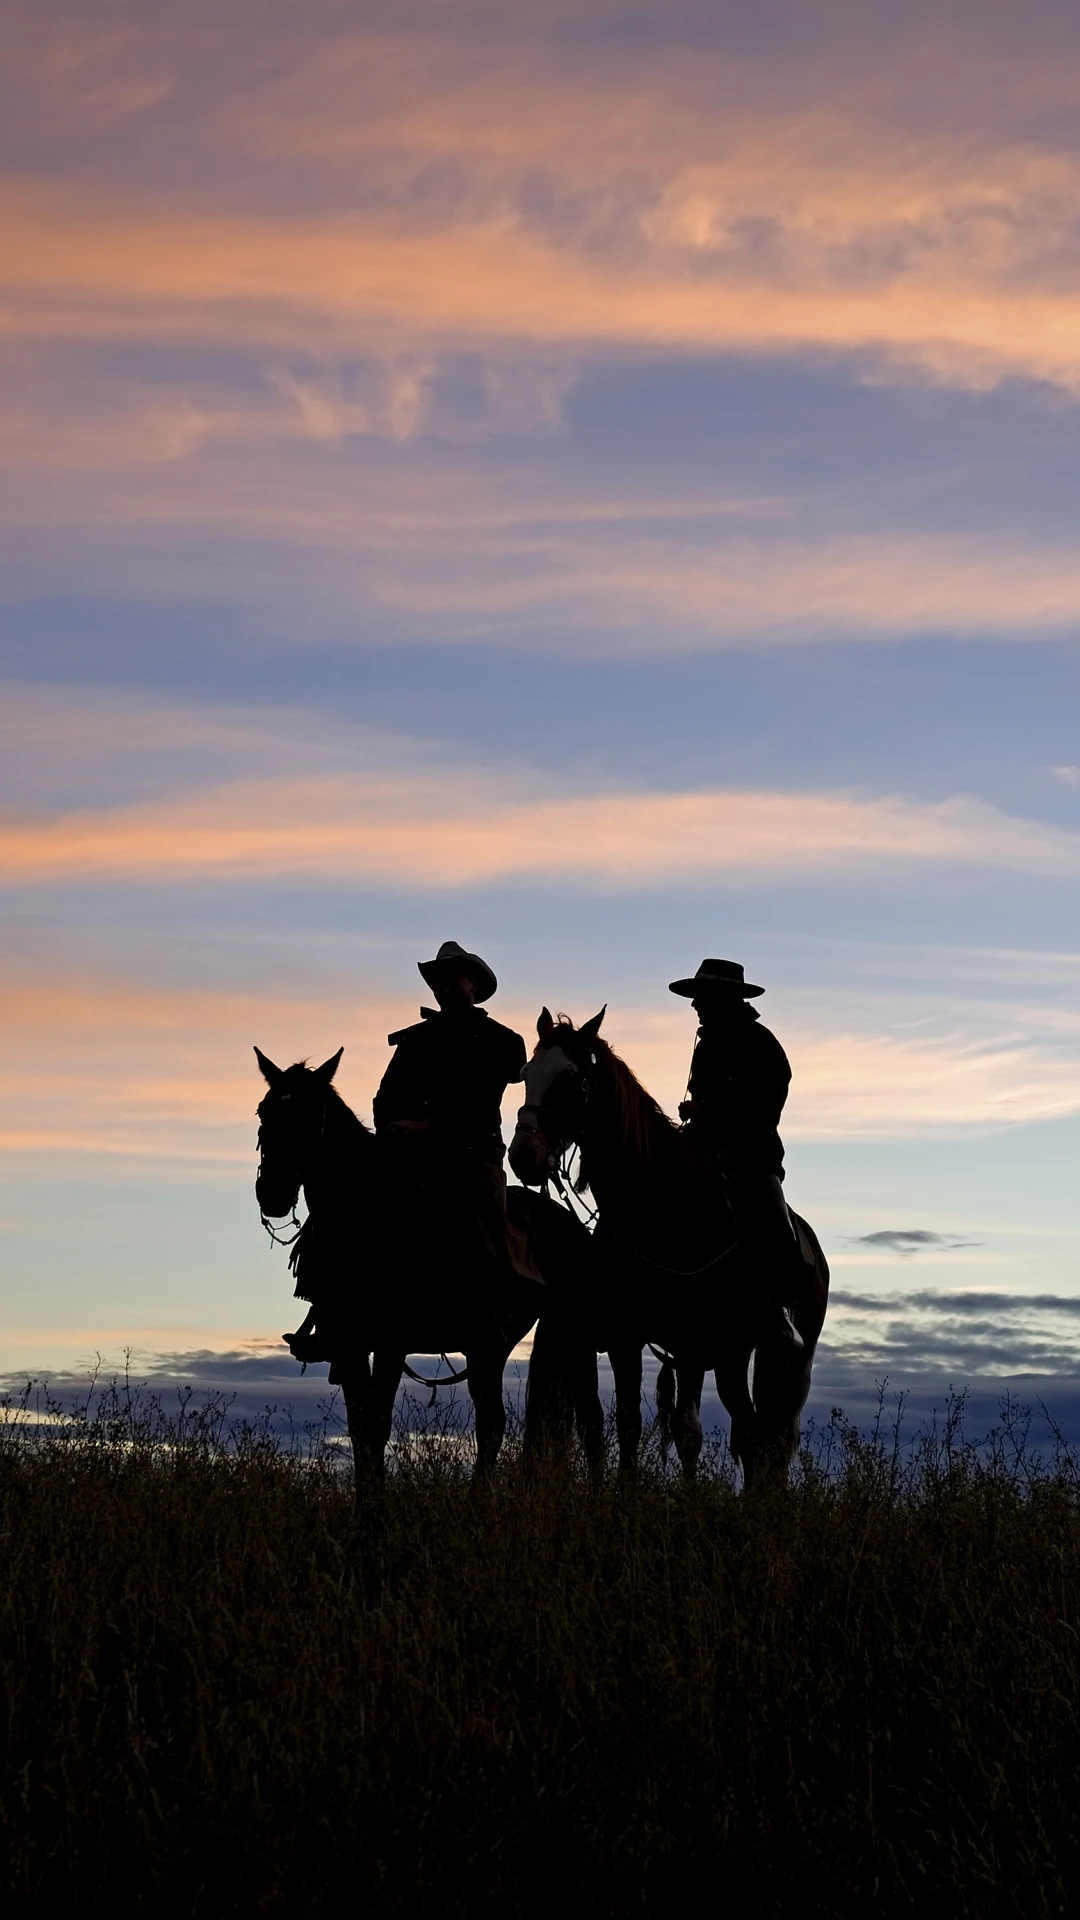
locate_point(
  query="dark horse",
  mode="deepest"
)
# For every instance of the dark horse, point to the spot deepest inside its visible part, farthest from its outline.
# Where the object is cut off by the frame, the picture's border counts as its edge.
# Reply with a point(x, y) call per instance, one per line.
point(384, 1283)
point(675, 1269)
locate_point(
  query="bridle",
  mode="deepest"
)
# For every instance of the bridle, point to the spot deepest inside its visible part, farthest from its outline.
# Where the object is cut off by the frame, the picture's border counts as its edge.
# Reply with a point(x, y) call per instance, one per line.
point(558, 1174)
point(537, 1132)
point(277, 1237)
point(559, 1151)
point(456, 1375)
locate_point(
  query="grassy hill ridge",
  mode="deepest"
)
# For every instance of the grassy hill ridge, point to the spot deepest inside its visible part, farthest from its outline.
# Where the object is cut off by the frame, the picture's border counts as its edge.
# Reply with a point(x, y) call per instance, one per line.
point(223, 1694)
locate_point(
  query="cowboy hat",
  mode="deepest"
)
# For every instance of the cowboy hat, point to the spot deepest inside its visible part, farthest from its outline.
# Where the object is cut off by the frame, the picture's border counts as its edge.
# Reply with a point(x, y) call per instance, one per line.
point(453, 959)
point(716, 975)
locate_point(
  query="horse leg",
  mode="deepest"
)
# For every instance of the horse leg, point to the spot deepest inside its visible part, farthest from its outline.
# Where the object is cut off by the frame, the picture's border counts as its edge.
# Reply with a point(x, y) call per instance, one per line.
point(486, 1381)
point(626, 1368)
point(782, 1373)
point(781, 1384)
point(548, 1405)
point(686, 1420)
point(665, 1404)
point(357, 1394)
point(589, 1413)
point(562, 1388)
point(385, 1380)
point(733, 1388)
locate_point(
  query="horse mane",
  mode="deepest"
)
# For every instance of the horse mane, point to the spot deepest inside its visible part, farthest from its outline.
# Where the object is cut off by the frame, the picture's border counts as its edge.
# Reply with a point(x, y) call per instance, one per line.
point(645, 1132)
point(334, 1102)
point(344, 1112)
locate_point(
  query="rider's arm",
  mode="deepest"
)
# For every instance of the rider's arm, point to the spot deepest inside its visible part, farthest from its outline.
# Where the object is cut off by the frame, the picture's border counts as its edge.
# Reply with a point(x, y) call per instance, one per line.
point(401, 1097)
point(768, 1079)
point(516, 1058)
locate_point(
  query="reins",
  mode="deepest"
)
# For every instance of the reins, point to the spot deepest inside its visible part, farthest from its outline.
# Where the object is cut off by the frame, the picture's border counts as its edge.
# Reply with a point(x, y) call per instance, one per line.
point(560, 1177)
point(281, 1239)
point(454, 1378)
point(449, 1380)
point(680, 1273)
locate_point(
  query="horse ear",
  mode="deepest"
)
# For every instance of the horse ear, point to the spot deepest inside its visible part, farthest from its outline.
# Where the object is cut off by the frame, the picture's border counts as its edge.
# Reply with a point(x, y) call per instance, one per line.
point(329, 1067)
point(592, 1027)
point(545, 1024)
point(270, 1073)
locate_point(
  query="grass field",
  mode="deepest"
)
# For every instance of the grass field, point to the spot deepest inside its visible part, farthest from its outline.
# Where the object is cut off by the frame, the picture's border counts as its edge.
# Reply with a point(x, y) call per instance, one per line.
point(224, 1695)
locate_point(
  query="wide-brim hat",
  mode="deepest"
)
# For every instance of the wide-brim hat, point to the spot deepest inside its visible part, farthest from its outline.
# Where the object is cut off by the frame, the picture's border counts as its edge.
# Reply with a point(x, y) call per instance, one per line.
point(453, 959)
point(716, 976)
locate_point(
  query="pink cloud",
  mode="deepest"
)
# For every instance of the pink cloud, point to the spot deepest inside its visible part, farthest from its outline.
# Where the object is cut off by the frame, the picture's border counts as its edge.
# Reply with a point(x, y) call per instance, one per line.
point(145, 483)
point(898, 195)
point(462, 831)
point(95, 268)
point(164, 1080)
point(112, 1067)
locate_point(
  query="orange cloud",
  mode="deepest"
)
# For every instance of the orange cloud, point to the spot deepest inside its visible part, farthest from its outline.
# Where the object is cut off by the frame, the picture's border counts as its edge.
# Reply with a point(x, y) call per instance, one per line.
point(913, 206)
point(446, 545)
point(463, 832)
point(992, 1069)
point(757, 582)
point(116, 1068)
point(97, 269)
point(163, 1080)
point(389, 197)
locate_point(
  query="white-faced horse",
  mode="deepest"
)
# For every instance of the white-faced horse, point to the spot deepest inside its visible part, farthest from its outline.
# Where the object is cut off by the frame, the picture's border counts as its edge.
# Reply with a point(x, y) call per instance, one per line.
point(676, 1269)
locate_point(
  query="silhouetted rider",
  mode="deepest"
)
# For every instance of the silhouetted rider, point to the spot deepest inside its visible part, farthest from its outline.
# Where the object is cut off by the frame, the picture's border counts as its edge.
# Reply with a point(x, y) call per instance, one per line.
point(739, 1079)
point(440, 1096)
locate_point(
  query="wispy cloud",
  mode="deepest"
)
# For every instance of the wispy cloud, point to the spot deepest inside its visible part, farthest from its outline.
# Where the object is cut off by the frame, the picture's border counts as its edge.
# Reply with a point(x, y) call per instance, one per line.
point(872, 1081)
point(468, 830)
point(353, 495)
point(113, 1067)
point(924, 1345)
point(907, 1240)
point(121, 746)
point(488, 183)
point(163, 1077)
point(910, 1240)
point(968, 1334)
point(80, 268)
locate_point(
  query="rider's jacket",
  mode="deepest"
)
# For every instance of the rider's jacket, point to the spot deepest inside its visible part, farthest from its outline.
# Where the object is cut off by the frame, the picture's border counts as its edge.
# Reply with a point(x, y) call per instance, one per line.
point(739, 1080)
point(452, 1069)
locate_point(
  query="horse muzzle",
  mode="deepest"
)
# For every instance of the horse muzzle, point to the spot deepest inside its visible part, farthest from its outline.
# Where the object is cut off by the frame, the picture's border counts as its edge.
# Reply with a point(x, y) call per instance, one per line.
point(276, 1198)
point(531, 1157)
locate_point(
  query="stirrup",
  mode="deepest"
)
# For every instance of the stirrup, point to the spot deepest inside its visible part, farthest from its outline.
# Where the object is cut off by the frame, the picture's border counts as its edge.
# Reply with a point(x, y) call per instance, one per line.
point(305, 1346)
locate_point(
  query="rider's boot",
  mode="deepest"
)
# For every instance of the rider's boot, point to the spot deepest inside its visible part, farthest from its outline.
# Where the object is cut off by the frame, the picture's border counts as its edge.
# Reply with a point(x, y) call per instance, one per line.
point(306, 1344)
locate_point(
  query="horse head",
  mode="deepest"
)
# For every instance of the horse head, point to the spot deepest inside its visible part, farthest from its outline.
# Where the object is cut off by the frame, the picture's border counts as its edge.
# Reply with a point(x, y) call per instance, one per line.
point(556, 1095)
point(292, 1117)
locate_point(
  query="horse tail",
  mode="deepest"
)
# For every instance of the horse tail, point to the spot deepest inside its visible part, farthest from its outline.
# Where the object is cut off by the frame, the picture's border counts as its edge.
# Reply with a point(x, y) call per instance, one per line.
point(665, 1401)
point(813, 1300)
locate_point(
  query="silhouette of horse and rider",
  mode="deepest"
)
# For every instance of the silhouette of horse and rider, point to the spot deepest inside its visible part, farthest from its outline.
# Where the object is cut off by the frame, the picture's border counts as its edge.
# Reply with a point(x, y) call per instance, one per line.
point(413, 1242)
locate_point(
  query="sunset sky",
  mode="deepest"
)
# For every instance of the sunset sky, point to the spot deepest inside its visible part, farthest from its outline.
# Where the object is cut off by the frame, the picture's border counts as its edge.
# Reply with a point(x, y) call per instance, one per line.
point(595, 482)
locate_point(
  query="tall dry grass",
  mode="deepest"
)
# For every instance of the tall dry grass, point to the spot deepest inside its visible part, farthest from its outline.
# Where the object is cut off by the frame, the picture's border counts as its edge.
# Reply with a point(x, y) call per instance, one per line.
point(224, 1694)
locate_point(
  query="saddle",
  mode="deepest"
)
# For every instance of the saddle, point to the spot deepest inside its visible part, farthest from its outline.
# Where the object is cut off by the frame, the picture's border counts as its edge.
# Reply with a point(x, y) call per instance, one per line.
point(446, 1238)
